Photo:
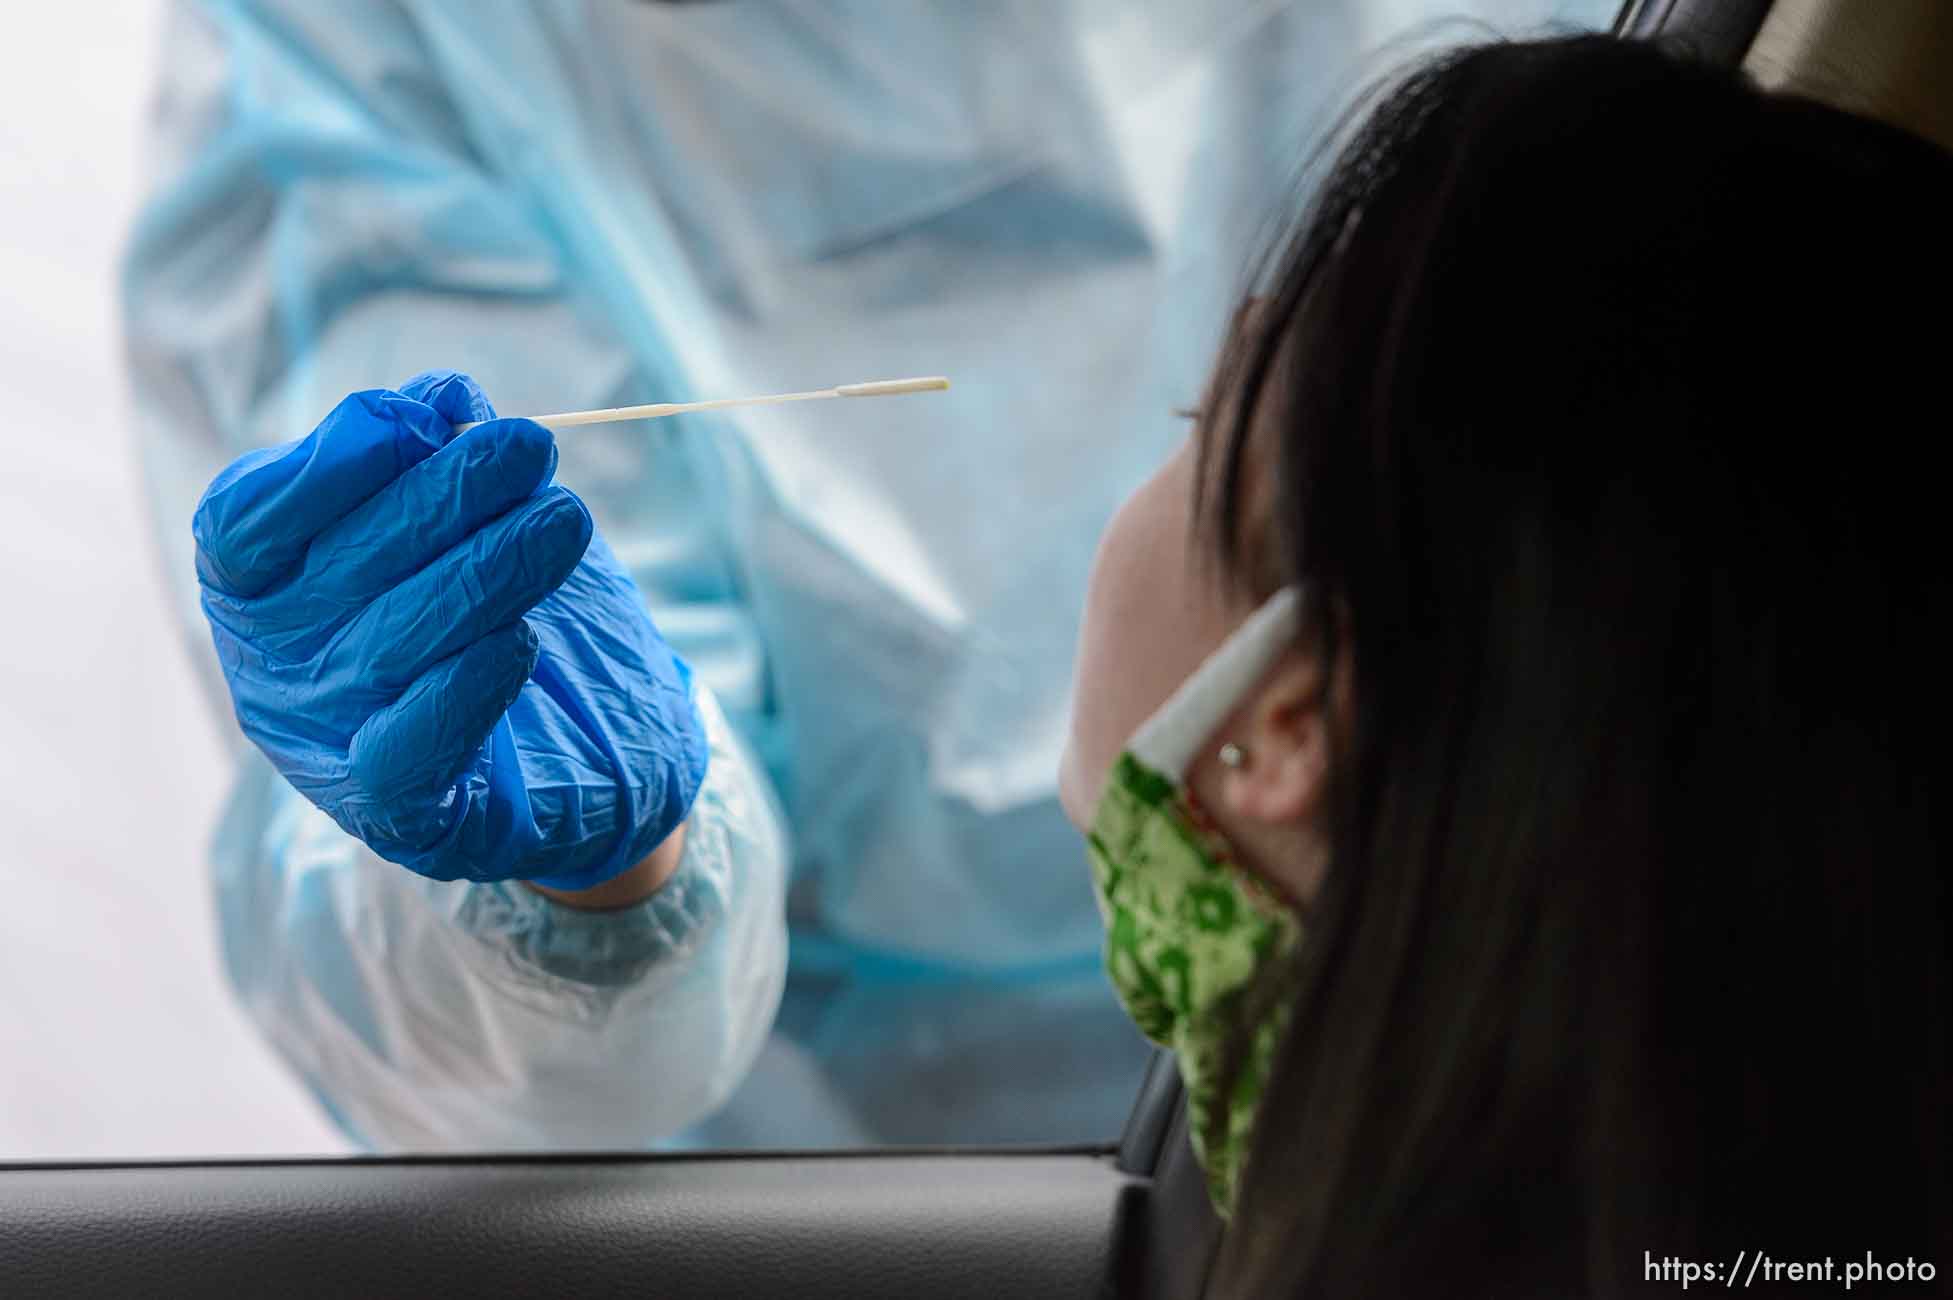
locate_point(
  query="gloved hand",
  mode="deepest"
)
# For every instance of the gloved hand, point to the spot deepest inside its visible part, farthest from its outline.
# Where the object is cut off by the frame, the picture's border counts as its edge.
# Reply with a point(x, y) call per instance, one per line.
point(434, 646)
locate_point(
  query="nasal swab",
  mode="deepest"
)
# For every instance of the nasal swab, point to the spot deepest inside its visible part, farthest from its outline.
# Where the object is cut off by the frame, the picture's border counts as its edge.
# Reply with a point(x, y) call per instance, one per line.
point(658, 410)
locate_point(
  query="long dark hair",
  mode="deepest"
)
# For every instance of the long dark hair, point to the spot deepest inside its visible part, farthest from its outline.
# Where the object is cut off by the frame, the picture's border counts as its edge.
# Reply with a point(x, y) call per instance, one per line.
point(1601, 392)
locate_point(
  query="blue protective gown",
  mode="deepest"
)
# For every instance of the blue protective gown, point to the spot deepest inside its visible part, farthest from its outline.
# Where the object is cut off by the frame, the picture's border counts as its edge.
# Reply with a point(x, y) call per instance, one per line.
point(593, 204)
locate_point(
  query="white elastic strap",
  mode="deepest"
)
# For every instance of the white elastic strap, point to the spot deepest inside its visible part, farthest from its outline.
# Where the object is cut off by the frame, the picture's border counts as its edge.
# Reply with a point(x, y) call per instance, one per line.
point(1167, 741)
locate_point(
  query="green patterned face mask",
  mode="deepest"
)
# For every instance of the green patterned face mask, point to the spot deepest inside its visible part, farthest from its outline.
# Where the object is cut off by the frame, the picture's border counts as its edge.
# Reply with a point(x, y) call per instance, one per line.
point(1187, 931)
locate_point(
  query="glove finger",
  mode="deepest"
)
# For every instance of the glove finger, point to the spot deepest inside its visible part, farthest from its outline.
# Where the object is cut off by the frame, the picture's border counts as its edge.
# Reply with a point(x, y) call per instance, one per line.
point(407, 757)
point(257, 518)
point(491, 578)
point(412, 521)
point(457, 397)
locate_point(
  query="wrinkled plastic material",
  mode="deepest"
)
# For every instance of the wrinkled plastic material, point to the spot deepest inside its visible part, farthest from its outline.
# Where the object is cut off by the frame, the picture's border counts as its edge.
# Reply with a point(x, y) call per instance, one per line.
point(591, 205)
point(431, 643)
point(433, 1015)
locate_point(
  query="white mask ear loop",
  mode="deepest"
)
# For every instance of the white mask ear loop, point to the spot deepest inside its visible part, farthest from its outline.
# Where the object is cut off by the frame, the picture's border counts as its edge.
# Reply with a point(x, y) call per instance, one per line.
point(1167, 741)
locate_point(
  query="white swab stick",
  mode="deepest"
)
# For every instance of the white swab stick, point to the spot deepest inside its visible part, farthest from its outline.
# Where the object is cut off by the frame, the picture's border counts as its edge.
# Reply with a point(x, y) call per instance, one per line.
point(658, 410)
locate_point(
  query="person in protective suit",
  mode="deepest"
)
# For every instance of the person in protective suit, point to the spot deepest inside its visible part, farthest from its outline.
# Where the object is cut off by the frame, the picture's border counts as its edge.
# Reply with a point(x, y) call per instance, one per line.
point(557, 740)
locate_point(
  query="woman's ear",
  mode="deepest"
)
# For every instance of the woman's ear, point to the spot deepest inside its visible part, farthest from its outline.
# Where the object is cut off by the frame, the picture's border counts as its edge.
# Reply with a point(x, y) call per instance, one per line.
point(1281, 750)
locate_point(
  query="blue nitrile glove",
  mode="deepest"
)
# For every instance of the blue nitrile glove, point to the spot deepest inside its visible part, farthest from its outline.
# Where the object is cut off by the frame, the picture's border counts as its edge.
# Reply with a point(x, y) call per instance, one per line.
point(435, 647)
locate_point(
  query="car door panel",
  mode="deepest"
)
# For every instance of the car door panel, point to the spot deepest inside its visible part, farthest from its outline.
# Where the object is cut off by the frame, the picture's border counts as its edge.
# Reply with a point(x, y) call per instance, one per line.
point(973, 1225)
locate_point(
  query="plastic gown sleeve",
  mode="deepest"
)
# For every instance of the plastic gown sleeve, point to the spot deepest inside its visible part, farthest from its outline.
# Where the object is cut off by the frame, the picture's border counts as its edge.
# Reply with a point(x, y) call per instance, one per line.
point(438, 1015)
point(322, 222)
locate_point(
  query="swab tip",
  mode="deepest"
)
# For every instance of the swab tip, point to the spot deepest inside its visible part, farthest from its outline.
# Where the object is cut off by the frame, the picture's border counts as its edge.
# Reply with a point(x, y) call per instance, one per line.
point(893, 387)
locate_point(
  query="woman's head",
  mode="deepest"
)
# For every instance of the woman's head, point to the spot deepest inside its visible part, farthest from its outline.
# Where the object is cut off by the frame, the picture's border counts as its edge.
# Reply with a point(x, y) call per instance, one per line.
point(1154, 612)
point(1590, 407)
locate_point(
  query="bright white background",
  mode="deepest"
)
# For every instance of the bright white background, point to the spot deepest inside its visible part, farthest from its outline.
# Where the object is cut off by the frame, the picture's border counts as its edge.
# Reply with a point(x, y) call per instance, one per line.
point(118, 1035)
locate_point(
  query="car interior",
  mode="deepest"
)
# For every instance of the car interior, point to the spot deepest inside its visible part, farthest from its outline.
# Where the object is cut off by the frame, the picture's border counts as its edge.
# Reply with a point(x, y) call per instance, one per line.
point(1125, 1219)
